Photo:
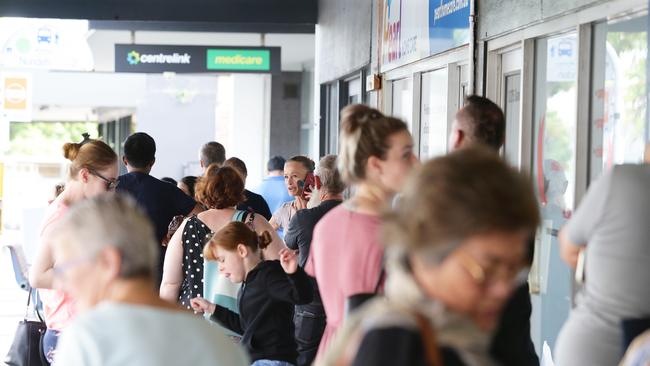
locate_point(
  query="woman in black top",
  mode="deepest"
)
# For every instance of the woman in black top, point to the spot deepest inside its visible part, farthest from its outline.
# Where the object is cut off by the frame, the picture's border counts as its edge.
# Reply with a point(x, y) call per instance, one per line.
point(269, 291)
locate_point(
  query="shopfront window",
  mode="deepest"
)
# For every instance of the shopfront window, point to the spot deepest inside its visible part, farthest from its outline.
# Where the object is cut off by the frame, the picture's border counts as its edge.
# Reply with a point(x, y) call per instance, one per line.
point(556, 60)
point(619, 109)
point(433, 114)
point(402, 97)
point(512, 103)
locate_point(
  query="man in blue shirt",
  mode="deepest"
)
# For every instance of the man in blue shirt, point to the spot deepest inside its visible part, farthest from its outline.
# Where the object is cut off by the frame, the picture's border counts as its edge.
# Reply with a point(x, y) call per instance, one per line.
point(272, 187)
point(160, 200)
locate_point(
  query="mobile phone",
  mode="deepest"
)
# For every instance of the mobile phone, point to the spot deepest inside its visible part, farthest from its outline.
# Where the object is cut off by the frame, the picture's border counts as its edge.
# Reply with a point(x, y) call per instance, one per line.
point(308, 184)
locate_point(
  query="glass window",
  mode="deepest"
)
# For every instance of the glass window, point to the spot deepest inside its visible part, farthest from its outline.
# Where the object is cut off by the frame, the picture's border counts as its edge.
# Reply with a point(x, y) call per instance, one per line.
point(402, 100)
point(512, 101)
point(433, 114)
point(333, 118)
point(556, 60)
point(619, 124)
point(354, 91)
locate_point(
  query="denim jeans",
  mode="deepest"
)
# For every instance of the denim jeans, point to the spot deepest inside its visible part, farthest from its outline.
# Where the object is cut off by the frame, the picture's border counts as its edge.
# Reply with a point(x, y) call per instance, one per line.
point(309, 331)
point(271, 363)
point(50, 339)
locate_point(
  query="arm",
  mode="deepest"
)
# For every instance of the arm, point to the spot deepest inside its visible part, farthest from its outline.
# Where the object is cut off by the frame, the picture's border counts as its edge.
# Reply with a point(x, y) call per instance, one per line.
point(292, 286)
point(584, 223)
point(220, 314)
point(173, 267)
point(41, 274)
point(227, 318)
point(271, 252)
point(569, 251)
point(293, 233)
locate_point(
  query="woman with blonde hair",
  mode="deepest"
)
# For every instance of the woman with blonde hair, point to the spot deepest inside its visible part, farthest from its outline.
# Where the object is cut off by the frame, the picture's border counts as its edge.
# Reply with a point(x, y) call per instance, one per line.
point(455, 244)
point(93, 170)
point(376, 155)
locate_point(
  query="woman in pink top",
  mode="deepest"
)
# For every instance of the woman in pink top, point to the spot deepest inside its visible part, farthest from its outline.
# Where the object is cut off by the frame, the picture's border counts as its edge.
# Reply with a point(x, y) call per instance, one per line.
point(93, 171)
point(376, 156)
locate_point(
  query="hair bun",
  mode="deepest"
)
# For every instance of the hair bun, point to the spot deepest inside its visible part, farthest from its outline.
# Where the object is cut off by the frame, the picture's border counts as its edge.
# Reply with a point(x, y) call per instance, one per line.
point(356, 115)
point(264, 240)
point(71, 150)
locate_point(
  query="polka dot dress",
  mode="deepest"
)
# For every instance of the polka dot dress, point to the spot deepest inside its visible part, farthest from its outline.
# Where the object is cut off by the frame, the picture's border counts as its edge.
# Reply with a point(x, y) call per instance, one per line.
point(194, 238)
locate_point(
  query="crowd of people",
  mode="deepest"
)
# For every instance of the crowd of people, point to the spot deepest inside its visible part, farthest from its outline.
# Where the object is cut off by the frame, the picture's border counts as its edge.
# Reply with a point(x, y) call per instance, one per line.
point(370, 257)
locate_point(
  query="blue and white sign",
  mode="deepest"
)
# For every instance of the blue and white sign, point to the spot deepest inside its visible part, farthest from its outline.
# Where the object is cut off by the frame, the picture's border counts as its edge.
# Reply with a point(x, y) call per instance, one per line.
point(416, 29)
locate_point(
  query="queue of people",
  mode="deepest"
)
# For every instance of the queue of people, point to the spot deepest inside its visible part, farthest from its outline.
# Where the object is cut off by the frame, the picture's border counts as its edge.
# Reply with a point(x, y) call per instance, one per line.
point(370, 257)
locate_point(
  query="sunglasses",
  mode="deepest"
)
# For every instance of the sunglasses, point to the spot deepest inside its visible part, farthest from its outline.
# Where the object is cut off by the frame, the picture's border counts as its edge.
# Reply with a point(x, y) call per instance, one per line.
point(110, 183)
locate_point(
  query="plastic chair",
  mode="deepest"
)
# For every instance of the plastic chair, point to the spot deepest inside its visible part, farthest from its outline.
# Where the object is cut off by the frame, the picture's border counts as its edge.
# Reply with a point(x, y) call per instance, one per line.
point(20, 267)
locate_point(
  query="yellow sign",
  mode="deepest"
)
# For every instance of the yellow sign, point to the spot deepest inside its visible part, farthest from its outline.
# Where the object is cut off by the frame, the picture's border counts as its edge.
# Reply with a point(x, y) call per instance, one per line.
point(15, 91)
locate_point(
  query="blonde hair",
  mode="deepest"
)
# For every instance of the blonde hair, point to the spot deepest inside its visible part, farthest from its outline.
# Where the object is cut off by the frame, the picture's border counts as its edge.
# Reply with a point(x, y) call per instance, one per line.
point(90, 154)
point(111, 220)
point(364, 133)
point(452, 198)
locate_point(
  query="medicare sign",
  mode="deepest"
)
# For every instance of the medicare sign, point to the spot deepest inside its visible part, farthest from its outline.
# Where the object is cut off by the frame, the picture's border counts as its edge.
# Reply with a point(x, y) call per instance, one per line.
point(196, 59)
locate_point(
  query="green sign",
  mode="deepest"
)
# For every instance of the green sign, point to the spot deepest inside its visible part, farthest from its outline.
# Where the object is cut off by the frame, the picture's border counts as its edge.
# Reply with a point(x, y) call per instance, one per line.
point(240, 60)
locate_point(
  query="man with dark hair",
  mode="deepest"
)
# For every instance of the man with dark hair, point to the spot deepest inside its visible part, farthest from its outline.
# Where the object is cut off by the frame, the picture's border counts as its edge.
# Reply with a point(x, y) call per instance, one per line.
point(310, 319)
point(160, 200)
point(479, 121)
point(272, 187)
point(254, 202)
point(212, 153)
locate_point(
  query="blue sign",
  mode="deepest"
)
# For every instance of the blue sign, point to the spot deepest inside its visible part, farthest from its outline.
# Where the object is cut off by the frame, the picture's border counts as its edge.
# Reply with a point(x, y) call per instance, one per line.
point(416, 29)
point(448, 24)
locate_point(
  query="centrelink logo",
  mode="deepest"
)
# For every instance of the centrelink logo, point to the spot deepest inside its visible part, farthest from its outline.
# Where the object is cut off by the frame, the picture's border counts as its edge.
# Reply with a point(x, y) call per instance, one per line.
point(134, 58)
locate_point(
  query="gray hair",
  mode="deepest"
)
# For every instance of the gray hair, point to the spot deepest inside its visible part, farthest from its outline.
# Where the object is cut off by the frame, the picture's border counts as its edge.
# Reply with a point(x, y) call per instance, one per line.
point(111, 220)
point(329, 175)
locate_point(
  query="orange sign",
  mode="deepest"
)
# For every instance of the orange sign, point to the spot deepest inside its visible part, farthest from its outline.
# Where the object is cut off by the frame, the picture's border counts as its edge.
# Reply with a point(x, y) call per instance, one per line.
point(15, 94)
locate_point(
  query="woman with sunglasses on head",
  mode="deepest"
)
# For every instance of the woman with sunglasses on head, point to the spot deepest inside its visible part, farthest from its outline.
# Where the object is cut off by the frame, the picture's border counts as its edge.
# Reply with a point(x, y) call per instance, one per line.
point(455, 244)
point(93, 170)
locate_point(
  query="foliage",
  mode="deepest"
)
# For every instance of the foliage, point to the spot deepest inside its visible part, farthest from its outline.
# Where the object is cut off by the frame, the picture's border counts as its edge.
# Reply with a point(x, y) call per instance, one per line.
point(46, 138)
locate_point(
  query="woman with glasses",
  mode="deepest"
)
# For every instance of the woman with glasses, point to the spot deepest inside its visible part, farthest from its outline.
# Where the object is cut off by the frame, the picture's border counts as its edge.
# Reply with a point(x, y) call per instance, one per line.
point(455, 244)
point(93, 170)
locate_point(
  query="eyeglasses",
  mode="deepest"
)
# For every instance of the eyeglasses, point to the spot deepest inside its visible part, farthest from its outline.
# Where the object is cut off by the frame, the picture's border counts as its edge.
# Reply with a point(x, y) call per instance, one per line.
point(110, 183)
point(486, 275)
point(60, 269)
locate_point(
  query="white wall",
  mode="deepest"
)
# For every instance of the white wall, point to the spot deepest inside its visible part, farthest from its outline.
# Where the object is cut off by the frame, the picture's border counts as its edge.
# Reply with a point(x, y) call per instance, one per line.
point(243, 120)
point(179, 113)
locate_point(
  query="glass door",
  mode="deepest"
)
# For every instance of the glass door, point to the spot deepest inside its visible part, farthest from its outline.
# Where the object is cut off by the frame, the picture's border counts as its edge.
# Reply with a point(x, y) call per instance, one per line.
point(402, 100)
point(433, 114)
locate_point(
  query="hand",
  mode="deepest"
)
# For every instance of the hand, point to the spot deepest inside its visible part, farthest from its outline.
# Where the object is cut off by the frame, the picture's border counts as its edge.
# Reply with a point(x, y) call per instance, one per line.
point(569, 252)
point(201, 305)
point(300, 203)
point(289, 261)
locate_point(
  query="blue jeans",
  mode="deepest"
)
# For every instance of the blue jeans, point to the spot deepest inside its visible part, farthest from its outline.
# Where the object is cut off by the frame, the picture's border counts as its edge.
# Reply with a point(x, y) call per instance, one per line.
point(271, 363)
point(50, 339)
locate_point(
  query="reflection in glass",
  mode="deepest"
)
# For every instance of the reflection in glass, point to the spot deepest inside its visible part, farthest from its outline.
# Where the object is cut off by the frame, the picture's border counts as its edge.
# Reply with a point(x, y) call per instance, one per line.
point(556, 61)
point(433, 114)
point(619, 127)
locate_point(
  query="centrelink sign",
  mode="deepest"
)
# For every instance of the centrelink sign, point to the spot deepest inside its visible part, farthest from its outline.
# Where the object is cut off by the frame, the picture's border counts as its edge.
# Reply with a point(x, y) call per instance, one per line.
point(196, 59)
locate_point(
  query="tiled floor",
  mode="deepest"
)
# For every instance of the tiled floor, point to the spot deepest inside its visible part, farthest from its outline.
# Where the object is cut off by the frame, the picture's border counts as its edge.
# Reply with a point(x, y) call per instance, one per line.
point(12, 303)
